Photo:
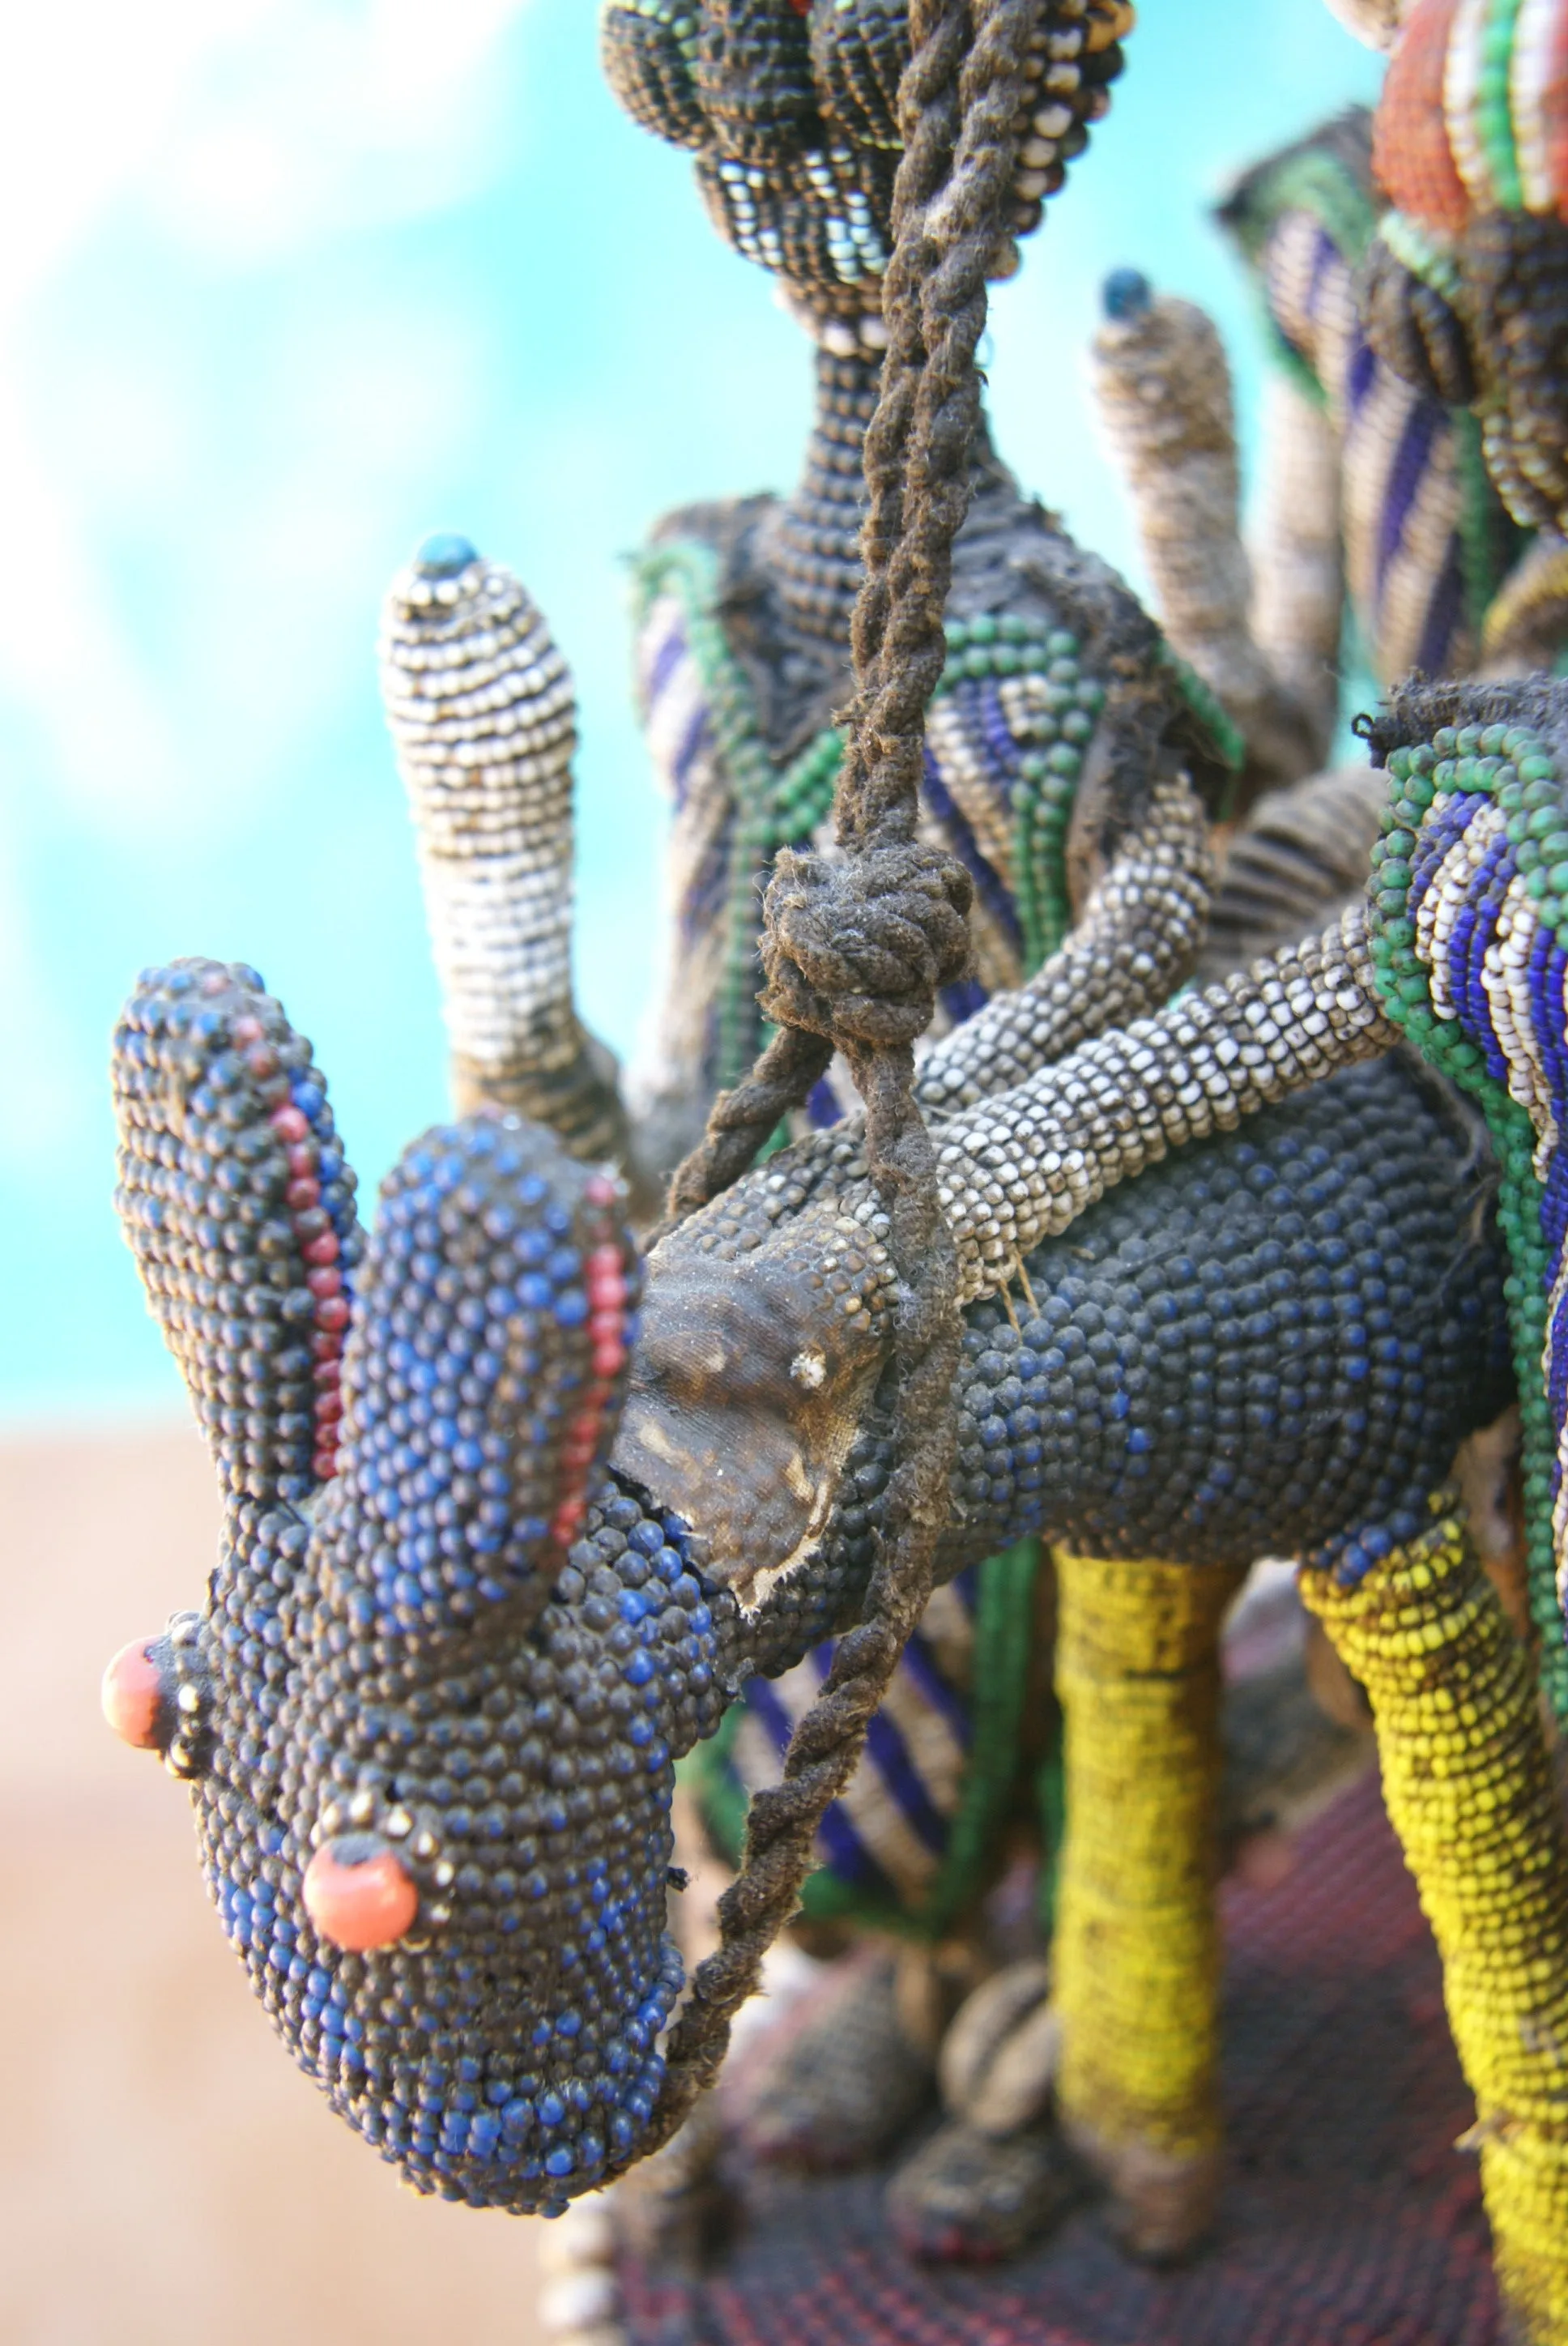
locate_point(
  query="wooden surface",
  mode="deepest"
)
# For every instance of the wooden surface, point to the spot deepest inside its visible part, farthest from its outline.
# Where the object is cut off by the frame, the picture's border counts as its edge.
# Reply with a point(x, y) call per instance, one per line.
point(166, 2176)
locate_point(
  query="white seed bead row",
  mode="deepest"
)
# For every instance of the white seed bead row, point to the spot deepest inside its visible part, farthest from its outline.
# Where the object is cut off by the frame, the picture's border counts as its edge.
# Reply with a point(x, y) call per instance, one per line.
point(481, 709)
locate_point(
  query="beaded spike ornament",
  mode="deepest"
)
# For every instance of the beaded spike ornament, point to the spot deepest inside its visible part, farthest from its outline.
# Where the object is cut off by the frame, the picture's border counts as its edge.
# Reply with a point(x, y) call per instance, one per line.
point(484, 720)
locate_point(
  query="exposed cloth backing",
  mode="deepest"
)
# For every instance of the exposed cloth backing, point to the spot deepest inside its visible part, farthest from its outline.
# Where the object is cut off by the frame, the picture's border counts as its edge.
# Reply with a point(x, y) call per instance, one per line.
point(1347, 2217)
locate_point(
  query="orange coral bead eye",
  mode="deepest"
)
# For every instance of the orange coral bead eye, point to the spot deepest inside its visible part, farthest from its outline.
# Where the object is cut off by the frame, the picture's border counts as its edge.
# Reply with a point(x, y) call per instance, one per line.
point(359, 1901)
point(133, 1694)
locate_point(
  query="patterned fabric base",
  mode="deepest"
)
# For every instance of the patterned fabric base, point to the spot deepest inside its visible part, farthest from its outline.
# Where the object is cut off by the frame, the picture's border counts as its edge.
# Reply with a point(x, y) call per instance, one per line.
point(1348, 2218)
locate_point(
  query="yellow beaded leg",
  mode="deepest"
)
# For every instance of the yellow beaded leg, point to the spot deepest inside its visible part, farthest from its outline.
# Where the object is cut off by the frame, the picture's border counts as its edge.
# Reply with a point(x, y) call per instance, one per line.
point(1136, 1951)
point(1469, 1788)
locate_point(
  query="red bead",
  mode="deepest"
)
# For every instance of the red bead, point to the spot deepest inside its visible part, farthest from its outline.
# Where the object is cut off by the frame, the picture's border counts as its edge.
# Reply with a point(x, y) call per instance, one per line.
point(289, 1124)
point(247, 1030)
point(327, 1344)
point(327, 1372)
point(303, 1159)
point(328, 1408)
point(325, 1280)
point(324, 1465)
point(601, 1189)
point(303, 1193)
point(359, 1906)
point(565, 1521)
point(262, 1061)
point(609, 1359)
point(333, 1312)
point(132, 1695)
point(323, 1250)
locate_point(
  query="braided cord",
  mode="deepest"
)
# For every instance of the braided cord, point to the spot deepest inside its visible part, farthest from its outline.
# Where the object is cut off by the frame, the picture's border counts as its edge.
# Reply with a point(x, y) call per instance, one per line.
point(855, 950)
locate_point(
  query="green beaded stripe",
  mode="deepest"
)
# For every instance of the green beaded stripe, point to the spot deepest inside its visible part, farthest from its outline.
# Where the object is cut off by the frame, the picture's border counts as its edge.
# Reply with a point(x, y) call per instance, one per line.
point(1311, 182)
point(1493, 113)
point(1207, 706)
point(1004, 646)
point(1488, 540)
point(1428, 257)
point(1516, 767)
point(774, 806)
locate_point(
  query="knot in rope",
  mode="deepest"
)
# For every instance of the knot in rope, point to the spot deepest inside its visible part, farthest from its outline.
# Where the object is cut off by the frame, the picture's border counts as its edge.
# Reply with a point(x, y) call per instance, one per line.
point(856, 951)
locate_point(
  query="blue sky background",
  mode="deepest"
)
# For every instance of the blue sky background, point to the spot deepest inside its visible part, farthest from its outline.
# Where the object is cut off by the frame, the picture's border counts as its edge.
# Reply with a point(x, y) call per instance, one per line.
point(285, 284)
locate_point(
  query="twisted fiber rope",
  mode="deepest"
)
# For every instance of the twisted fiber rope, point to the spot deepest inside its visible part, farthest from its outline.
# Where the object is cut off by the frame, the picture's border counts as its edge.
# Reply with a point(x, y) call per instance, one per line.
point(854, 951)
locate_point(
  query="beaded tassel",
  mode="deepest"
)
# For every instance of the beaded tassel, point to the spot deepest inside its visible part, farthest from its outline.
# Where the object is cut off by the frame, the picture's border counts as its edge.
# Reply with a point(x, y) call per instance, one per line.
point(1470, 1791)
point(481, 714)
point(1136, 1949)
point(1163, 390)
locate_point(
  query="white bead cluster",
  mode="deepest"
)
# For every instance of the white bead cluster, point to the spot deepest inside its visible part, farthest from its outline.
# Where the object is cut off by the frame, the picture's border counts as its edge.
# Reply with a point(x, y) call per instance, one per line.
point(481, 713)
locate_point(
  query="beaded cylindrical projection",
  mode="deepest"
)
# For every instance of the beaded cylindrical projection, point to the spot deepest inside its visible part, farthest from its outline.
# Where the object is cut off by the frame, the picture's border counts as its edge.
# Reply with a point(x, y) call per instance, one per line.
point(484, 720)
point(1470, 1790)
point(1136, 1950)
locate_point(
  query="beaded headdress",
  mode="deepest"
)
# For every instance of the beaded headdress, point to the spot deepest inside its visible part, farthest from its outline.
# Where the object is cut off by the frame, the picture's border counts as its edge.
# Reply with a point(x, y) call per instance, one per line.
point(791, 109)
